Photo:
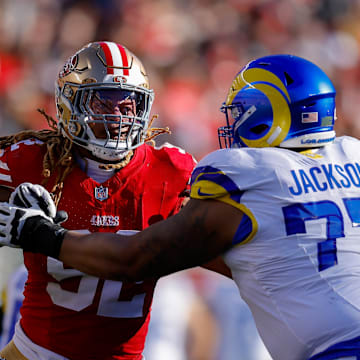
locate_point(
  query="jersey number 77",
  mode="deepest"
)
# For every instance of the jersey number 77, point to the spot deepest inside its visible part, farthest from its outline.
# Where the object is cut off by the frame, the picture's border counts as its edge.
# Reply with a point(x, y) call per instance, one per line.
point(297, 214)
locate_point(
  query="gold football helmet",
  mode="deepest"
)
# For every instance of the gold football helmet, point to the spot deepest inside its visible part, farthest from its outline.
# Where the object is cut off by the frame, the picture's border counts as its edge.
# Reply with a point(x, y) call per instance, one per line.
point(103, 100)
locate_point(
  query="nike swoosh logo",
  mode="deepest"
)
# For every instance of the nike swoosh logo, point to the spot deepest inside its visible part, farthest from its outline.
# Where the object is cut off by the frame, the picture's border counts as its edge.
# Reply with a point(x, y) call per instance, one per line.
point(203, 194)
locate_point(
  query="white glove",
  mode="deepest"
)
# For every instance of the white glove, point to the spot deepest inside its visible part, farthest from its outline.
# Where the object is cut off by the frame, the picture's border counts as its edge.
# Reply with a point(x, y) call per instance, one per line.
point(12, 220)
point(35, 196)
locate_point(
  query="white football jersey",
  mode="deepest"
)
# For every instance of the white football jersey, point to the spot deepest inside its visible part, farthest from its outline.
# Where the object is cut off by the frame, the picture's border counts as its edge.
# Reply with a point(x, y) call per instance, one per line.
point(296, 258)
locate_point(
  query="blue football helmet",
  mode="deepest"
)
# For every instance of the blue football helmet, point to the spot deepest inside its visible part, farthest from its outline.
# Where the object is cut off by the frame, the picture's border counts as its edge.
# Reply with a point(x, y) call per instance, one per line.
point(279, 100)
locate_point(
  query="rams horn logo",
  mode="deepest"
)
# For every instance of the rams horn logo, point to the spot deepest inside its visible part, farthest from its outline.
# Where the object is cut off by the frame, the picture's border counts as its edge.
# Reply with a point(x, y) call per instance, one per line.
point(275, 91)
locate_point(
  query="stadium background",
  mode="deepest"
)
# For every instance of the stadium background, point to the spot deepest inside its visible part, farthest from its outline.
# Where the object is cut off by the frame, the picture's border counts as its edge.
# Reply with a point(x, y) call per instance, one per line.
point(191, 50)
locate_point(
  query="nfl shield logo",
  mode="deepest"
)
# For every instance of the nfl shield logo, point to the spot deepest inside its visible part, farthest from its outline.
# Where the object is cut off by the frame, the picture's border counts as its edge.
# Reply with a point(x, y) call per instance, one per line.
point(101, 193)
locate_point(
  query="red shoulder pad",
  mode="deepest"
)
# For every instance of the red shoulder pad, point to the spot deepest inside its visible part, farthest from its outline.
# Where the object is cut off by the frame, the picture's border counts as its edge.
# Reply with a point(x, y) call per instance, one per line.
point(21, 162)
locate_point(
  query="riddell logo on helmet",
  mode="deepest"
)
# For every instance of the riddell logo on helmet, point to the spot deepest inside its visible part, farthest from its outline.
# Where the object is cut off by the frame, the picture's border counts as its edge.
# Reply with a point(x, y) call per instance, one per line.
point(120, 79)
point(317, 141)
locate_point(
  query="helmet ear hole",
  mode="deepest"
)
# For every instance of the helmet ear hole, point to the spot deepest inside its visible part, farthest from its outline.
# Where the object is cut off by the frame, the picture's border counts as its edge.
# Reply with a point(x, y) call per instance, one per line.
point(310, 105)
point(259, 129)
point(289, 79)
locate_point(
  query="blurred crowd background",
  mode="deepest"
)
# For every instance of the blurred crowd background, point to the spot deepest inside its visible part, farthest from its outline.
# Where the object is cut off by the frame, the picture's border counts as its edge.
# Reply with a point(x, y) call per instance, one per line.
point(191, 50)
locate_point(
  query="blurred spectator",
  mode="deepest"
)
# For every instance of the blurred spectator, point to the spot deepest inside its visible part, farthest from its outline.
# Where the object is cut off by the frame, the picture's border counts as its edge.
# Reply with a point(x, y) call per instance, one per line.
point(12, 296)
point(237, 337)
point(182, 327)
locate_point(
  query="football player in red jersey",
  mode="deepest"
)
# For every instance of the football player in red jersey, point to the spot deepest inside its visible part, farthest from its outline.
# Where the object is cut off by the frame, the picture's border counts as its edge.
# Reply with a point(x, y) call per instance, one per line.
point(99, 168)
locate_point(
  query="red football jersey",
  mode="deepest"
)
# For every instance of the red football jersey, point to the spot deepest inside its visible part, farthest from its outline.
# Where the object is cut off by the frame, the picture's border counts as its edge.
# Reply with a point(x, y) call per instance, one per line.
point(81, 316)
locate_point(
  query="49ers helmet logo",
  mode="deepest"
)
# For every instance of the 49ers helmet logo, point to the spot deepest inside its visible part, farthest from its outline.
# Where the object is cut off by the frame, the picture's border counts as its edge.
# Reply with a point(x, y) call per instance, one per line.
point(69, 66)
point(119, 79)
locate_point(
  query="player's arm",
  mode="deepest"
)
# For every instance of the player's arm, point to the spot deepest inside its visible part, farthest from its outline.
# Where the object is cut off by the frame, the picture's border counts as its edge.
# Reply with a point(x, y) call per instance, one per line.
point(203, 230)
point(218, 265)
point(200, 232)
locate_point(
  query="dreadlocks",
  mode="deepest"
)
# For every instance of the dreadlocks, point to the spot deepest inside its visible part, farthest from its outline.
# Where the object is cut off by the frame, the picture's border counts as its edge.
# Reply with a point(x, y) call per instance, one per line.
point(58, 154)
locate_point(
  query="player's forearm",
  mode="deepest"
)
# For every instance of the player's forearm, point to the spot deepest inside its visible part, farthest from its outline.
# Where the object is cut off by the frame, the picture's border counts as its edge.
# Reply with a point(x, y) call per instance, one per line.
point(180, 242)
point(199, 233)
point(136, 257)
point(104, 255)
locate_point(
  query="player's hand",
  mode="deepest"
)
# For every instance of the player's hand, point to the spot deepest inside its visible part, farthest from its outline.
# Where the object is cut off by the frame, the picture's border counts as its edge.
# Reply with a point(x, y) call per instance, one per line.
point(35, 196)
point(13, 221)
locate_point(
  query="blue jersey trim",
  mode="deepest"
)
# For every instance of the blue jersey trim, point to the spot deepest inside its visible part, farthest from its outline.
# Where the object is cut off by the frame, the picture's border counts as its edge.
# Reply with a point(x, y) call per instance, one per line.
point(339, 350)
point(243, 231)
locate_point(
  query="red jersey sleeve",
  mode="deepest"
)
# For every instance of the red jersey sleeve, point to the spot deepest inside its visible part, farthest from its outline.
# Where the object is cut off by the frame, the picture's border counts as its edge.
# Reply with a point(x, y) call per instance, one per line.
point(21, 162)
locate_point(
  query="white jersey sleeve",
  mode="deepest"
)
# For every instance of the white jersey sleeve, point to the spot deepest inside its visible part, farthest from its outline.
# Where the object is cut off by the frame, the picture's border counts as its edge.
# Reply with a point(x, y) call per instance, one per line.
point(297, 263)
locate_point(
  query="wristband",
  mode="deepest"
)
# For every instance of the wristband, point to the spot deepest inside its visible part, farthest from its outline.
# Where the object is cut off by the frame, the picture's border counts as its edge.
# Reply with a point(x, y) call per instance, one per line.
point(40, 235)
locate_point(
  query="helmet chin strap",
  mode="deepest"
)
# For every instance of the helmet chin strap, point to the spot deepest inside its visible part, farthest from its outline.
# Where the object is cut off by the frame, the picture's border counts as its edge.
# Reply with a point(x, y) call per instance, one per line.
point(114, 159)
point(118, 165)
point(83, 155)
point(112, 156)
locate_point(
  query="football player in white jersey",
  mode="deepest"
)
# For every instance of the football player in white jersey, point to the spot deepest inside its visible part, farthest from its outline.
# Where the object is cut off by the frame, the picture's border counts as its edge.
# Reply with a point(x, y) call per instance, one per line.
point(281, 202)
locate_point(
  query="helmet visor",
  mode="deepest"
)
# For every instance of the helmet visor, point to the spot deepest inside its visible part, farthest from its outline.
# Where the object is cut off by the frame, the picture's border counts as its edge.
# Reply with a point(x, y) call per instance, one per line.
point(115, 114)
point(116, 102)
